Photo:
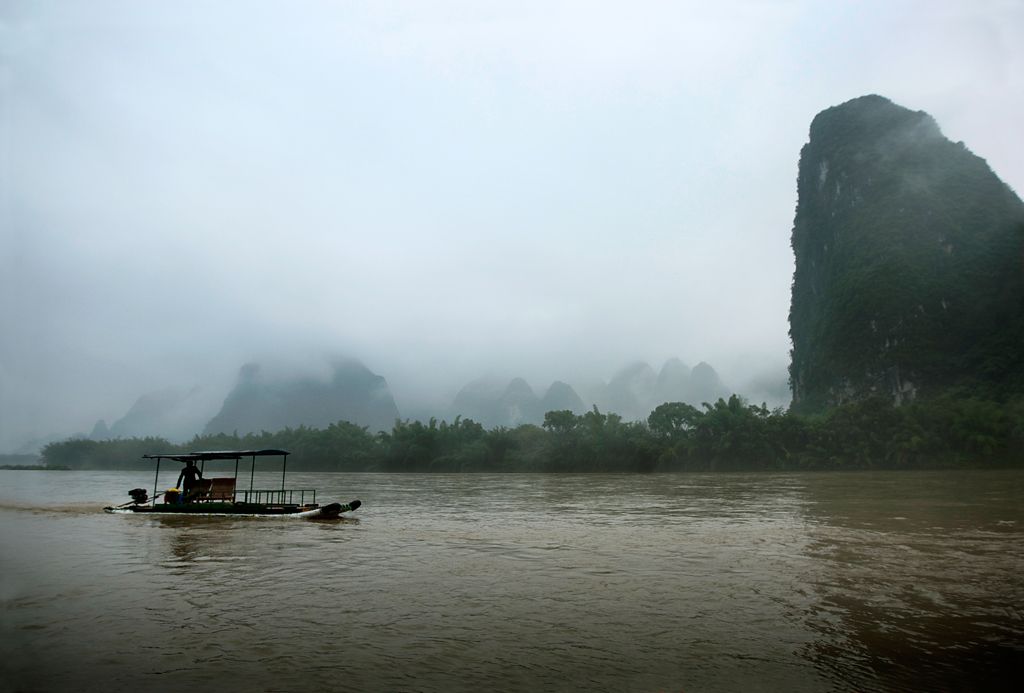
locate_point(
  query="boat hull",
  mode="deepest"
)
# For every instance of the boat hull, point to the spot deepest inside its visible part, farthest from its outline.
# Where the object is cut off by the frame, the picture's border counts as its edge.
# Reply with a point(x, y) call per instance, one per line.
point(227, 509)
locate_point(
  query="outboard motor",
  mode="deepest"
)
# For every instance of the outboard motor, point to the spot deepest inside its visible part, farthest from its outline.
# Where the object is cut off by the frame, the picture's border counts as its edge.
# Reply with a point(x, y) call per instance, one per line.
point(139, 496)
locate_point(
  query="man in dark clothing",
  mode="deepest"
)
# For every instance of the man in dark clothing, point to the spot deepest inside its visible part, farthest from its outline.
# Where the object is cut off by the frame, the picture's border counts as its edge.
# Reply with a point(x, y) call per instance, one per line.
point(191, 476)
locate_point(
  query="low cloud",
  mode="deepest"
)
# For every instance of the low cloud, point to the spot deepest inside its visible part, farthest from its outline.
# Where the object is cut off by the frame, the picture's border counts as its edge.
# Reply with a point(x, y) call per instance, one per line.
point(533, 189)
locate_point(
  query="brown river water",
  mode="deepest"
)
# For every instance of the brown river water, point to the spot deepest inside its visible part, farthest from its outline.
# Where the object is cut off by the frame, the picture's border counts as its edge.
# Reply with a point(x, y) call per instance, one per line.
point(661, 583)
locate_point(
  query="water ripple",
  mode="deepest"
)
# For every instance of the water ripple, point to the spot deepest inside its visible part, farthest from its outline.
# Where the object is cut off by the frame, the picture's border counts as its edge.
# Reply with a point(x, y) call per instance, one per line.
point(519, 582)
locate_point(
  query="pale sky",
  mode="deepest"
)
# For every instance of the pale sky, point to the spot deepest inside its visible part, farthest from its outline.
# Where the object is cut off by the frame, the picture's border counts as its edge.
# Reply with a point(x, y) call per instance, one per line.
point(440, 189)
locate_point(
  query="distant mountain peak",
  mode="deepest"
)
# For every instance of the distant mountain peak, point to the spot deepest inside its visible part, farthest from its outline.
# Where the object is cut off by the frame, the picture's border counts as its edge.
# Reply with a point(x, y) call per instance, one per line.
point(559, 397)
point(100, 431)
point(347, 392)
point(518, 386)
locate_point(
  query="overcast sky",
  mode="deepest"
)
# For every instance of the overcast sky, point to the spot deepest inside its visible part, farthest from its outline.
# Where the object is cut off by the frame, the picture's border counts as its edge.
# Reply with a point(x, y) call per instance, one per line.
point(440, 189)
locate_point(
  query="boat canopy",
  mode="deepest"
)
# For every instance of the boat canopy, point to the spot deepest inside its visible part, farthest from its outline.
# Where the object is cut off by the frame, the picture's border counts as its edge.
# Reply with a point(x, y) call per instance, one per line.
point(215, 455)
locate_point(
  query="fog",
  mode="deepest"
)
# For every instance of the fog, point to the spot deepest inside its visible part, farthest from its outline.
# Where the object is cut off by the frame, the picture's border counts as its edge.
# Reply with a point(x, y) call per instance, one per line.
point(442, 190)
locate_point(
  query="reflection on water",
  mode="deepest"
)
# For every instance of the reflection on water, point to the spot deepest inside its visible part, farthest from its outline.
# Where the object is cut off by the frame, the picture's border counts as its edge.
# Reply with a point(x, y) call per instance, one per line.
point(798, 582)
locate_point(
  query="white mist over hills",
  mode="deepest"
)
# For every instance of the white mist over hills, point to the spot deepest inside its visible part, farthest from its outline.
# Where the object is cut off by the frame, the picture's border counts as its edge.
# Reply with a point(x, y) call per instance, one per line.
point(545, 190)
point(277, 395)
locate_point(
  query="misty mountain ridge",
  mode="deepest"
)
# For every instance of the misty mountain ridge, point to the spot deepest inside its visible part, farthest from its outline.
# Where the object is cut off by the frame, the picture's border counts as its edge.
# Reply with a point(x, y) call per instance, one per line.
point(270, 398)
point(491, 402)
point(632, 393)
point(908, 250)
point(636, 390)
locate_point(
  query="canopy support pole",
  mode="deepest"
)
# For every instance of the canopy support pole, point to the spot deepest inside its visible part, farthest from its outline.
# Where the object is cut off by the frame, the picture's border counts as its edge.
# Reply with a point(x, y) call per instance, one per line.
point(156, 478)
point(284, 465)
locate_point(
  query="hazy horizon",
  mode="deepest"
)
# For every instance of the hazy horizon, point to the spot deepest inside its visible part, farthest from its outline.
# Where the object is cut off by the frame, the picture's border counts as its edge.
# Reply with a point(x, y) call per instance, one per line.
point(441, 191)
point(413, 398)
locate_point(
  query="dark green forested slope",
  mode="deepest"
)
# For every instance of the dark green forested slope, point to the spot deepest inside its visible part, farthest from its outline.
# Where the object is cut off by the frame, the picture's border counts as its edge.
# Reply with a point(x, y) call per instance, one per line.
point(909, 257)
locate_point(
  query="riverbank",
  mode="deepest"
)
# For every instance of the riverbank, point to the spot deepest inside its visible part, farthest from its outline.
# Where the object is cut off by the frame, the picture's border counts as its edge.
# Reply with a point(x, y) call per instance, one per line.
point(729, 435)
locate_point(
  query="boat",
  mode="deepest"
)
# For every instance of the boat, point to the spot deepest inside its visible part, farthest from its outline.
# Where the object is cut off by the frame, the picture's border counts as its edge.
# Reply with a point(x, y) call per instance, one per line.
point(221, 495)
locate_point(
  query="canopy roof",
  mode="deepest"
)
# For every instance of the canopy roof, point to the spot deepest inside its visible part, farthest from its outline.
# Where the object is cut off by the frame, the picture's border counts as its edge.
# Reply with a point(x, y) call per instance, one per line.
point(215, 455)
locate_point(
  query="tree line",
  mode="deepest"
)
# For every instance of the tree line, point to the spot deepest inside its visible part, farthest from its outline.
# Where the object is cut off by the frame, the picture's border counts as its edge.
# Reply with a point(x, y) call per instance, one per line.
point(727, 435)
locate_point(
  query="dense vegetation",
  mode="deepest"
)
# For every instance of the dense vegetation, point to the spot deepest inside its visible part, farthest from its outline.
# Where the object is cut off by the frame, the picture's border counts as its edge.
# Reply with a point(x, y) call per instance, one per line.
point(729, 435)
point(908, 255)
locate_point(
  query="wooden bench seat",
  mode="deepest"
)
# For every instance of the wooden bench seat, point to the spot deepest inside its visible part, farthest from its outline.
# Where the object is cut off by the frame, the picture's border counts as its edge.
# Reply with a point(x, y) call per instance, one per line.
point(222, 488)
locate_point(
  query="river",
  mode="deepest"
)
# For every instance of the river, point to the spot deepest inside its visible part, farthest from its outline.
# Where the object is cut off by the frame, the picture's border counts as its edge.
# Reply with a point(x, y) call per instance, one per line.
point(657, 583)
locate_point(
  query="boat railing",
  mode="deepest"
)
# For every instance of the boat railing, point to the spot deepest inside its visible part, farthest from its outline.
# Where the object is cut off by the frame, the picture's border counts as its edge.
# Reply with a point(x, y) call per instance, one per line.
point(290, 496)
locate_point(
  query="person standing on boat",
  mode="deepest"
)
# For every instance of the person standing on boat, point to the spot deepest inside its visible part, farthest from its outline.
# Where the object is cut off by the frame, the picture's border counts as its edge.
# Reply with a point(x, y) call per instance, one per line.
point(191, 475)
